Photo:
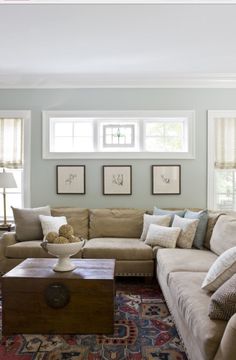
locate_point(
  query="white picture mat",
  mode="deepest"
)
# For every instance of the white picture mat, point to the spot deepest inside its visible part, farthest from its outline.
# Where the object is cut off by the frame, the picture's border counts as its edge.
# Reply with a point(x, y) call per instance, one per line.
point(117, 180)
point(70, 179)
point(166, 179)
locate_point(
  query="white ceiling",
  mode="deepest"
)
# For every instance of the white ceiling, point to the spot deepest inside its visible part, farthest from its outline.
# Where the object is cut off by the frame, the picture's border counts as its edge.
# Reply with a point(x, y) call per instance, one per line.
point(117, 45)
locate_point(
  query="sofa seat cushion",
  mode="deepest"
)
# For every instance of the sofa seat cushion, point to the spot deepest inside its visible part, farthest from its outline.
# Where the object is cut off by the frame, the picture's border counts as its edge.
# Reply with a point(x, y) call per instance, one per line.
point(172, 260)
point(117, 248)
point(193, 304)
point(28, 249)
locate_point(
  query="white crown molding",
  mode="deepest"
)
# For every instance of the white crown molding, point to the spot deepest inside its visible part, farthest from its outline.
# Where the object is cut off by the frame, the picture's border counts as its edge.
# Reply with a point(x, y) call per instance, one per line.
point(76, 81)
point(19, 2)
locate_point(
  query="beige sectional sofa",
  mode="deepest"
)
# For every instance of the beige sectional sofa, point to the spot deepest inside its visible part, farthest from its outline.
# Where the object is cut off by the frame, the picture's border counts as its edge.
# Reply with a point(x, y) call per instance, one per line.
point(115, 233)
point(111, 233)
point(180, 273)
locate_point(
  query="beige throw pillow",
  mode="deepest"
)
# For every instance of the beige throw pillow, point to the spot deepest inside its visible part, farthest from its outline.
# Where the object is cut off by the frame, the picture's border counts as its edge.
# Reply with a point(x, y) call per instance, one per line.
point(188, 229)
point(223, 301)
point(162, 236)
point(221, 270)
point(163, 220)
point(27, 223)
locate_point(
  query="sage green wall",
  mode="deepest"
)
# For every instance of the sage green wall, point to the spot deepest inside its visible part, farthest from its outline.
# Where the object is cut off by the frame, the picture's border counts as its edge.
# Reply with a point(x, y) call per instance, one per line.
point(194, 172)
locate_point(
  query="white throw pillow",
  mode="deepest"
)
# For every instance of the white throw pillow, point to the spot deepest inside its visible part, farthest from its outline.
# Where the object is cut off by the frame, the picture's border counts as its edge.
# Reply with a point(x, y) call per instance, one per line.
point(51, 223)
point(163, 220)
point(162, 236)
point(188, 230)
point(221, 270)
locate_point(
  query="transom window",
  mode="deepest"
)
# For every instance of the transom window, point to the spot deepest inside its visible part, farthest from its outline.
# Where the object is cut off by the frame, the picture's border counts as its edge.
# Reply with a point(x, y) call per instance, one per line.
point(113, 134)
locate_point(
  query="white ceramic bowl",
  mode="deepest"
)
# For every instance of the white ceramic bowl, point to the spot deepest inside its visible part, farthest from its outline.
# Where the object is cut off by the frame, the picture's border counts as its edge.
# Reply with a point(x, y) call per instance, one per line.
point(63, 252)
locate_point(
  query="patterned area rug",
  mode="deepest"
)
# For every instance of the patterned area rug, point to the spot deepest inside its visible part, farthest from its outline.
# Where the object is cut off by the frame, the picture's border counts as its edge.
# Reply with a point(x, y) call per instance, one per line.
point(144, 330)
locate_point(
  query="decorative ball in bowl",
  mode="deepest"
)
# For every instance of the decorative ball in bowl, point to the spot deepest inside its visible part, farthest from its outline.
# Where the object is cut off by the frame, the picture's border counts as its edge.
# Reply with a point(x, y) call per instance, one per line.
point(63, 248)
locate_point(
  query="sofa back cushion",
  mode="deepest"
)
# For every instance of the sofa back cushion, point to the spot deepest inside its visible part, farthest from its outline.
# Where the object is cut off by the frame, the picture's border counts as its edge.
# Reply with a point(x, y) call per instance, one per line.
point(78, 218)
point(224, 234)
point(27, 222)
point(121, 223)
point(213, 216)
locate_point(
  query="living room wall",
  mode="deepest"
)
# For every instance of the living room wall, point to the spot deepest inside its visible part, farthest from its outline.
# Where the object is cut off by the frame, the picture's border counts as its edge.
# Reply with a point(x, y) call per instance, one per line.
point(43, 172)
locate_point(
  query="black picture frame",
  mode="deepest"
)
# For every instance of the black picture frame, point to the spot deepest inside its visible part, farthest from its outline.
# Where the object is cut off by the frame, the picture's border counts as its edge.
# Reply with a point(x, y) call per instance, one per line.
point(117, 179)
point(166, 179)
point(70, 179)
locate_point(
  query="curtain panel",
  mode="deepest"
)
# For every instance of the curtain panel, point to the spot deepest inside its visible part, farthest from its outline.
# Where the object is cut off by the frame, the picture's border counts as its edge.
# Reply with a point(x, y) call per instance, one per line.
point(225, 143)
point(11, 143)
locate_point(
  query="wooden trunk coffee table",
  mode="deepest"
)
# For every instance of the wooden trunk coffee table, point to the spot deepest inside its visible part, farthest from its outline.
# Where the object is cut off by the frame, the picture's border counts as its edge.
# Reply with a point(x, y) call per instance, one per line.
point(38, 300)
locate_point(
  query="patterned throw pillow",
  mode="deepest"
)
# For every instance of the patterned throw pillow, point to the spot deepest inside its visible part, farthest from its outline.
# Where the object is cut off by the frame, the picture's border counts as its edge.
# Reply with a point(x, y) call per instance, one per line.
point(223, 301)
point(221, 270)
point(188, 230)
point(163, 220)
point(162, 236)
point(202, 216)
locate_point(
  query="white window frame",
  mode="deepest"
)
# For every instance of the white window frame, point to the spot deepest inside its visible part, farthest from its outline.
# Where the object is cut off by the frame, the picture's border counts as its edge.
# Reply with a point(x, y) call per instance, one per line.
point(125, 116)
point(211, 184)
point(26, 116)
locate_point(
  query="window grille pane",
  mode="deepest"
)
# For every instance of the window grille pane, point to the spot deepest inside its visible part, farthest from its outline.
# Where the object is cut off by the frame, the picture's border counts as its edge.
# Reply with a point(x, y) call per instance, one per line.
point(155, 129)
point(118, 135)
point(63, 129)
point(63, 144)
point(165, 136)
point(83, 144)
point(83, 129)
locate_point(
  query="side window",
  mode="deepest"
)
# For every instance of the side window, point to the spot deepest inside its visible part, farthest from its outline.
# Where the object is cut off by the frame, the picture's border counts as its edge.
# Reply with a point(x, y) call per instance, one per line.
point(14, 157)
point(222, 160)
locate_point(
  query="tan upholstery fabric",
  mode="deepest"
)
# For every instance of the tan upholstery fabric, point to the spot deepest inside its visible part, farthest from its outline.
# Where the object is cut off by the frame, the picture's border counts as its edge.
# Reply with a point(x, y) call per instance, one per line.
point(224, 234)
point(117, 248)
point(28, 225)
point(212, 219)
point(134, 268)
point(227, 348)
point(223, 301)
point(193, 304)
point(76, 217)
point(172, 260)
point(28, 249)
point(122, 223)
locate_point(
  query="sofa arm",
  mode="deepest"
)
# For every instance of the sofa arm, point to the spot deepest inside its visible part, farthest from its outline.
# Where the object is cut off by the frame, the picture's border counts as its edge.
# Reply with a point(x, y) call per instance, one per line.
point(227, 348)
point(8, 238)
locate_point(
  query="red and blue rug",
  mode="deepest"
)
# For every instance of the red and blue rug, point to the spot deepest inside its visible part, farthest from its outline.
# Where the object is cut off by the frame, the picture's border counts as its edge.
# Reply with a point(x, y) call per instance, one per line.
point(144, 330)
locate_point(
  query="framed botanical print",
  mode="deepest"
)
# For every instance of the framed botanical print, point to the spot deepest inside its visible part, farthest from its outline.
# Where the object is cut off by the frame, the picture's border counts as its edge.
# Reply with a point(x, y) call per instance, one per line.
point(166, 179)
point(117, 180)
point(70, 179)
